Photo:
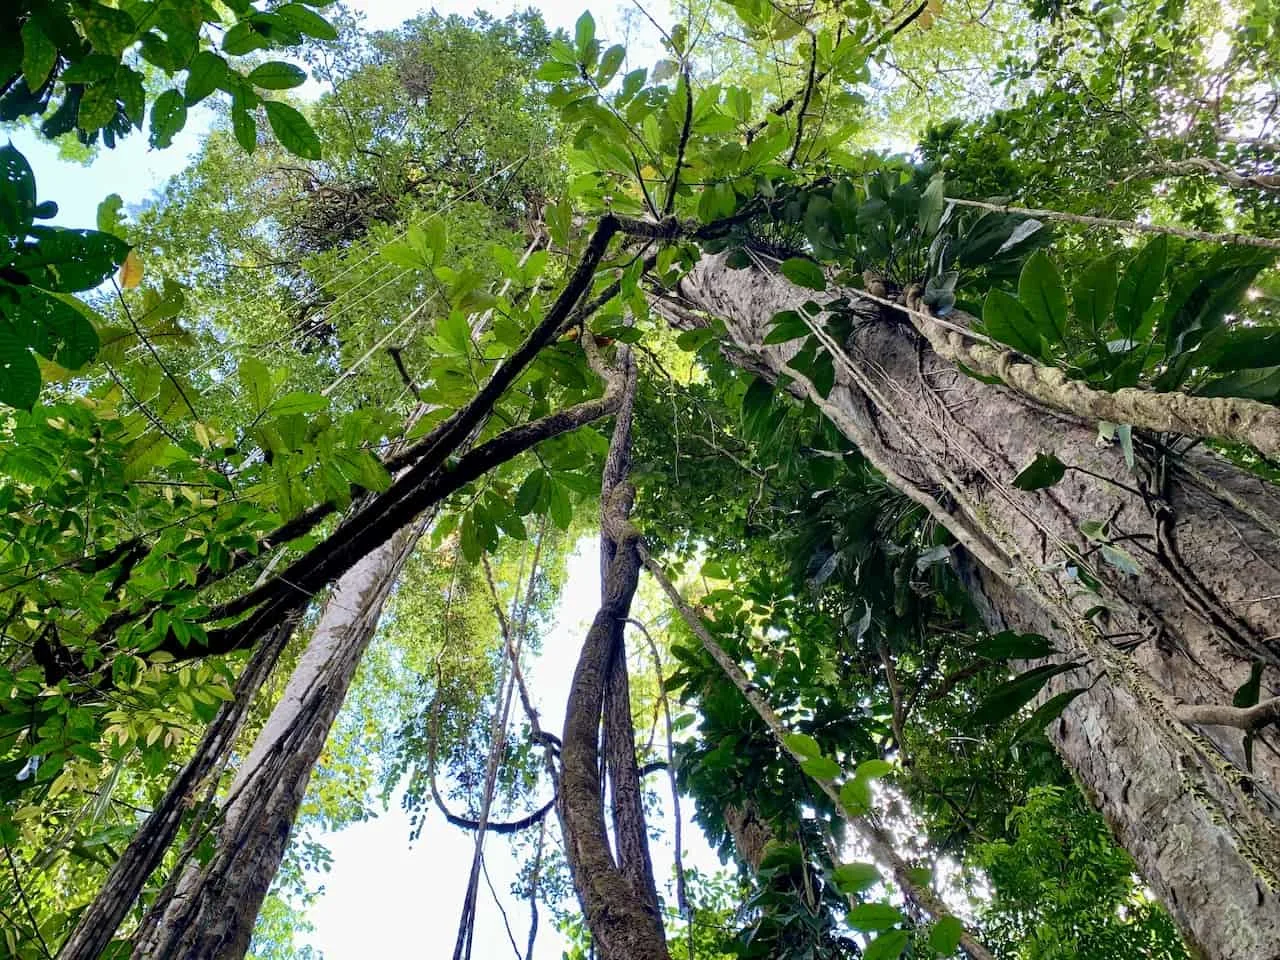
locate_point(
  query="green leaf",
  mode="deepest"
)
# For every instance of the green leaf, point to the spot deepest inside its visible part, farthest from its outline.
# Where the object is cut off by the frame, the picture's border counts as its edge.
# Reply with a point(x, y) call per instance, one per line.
point(1010, 697)
point(244, 126)
point(1010, 645)
point(561, 507)
point(292, 130)
point(97, 107)
point(874, 916)
point(306, 21)
point(205, 74)
point(39, 54)
point(931, 205)
point(822, 768)
point(609, 64)
point(255, 380)
point(873, 769)
point(1007, 320)
point(1261, 384)
point(945, 934)
point(1139, 285)
point(803, 745)
point(1044, 471)
point(19, 372)
point(17, 191)
point(887, 946)
point(168, 116)
point(277, 75)
point(69, 261)
point(1094, 295)
point(299, 401)
point(787, 325)
point(109, 217)
point(584, 32)
point(855, 877)
point(1045, 714)
point(1227, 349)
point(804, 273)
point(855, 795)
point(1041, 291)
point(530, 493)
point(241, 39)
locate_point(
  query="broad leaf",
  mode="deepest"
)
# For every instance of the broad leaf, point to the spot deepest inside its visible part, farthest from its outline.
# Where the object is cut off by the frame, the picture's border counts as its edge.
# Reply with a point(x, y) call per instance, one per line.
point(874, 916)
point(1041, 291)
point(1044, 471)
point(1139, 284)
point(804, 273)
point(1008, 698)
point(1008, 321)
point(292, 130)
point(1045, 714)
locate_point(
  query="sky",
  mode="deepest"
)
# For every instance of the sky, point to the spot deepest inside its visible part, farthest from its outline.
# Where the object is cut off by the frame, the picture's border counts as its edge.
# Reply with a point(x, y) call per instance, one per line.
point(384, 897)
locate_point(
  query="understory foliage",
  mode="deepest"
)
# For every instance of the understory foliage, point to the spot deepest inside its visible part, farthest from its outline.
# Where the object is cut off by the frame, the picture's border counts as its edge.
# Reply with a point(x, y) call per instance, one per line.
point(420, 296)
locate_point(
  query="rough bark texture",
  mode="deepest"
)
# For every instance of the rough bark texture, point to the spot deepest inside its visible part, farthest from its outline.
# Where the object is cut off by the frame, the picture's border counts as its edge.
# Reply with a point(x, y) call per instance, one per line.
point(1183, 630)
point(207, 912)
point(630, 835)
point(616, 912)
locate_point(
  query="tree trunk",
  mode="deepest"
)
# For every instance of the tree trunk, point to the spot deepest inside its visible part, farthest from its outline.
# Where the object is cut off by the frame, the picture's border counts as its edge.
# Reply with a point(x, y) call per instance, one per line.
point(1183, 629)
point(102, 918)
point(207, 911)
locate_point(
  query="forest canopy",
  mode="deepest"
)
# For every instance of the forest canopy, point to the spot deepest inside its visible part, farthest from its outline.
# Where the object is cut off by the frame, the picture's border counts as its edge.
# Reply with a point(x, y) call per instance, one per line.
point(914, 371)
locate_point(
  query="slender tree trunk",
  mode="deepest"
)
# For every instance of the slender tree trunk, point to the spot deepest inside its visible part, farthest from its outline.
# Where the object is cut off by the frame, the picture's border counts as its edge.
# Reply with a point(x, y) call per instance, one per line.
point(207, 911)
point(617, 895)
point(1183, 629)
point(102, 918)
point(630, 835)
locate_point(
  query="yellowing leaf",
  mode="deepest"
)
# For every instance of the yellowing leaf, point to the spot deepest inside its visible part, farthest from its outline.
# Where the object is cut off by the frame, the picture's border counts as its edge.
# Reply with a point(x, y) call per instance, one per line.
point(932, 11)
point(131, 270)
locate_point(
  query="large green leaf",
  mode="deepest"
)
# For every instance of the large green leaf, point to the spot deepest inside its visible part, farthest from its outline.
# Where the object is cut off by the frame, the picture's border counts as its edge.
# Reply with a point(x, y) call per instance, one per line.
point(887, 946)
point(277, 75)
point(306, 21)
point(292, 130)
point(19, 373)
point(1008, 698)
point(1009, 322)
point(168, 116)
point(1261, 384)
point(68, 261)
point(804, 273)
point(874, 916)
point(1045, 714)
point(17, 192)
point(206, 73)
point(1041, 291)
point(1044, 471)
point(1094, 295)
point(1139, 285)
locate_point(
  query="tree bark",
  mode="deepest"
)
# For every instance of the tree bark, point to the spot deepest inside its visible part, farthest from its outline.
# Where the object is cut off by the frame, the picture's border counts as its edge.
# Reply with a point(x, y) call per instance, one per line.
point(617, 895)
point(207, 911)
point(102, 918)
point(1181, 631)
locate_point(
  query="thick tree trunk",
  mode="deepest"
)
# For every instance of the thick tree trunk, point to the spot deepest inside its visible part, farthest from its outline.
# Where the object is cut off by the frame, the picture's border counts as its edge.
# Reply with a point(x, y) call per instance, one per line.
point(1184, 629)
point(207, 911)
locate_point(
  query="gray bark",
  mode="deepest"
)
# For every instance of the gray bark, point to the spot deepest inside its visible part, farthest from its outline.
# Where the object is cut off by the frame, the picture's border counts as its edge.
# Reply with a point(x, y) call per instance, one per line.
point(207, 911)
point(1204, 604)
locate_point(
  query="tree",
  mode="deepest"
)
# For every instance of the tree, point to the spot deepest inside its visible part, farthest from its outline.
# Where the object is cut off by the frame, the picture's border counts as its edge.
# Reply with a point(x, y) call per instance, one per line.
point(1008, 419)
